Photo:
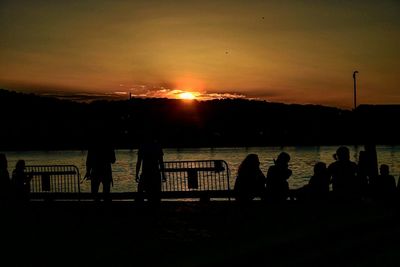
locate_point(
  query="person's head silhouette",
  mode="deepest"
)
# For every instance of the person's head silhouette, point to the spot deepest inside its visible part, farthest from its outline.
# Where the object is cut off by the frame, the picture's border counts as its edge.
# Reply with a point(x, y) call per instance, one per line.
point(20, 166)
point(343, 153)
point(283, 159)
point(384, 169)
point(250, 162)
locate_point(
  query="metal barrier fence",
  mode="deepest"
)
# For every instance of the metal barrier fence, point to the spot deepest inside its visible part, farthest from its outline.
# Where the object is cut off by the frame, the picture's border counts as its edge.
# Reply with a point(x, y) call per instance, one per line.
point(199, 175)
point(54, 178)
point(202, 179)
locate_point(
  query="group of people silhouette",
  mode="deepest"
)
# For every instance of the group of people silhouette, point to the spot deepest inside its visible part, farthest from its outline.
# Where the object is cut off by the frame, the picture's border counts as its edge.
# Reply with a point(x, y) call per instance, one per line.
point(349, 180)
point(148, 173)
point(99, 160)
point(18, 186)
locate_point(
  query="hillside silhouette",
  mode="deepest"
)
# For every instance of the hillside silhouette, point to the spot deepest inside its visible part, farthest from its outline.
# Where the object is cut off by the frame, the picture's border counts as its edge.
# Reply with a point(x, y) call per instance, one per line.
point(31, 121)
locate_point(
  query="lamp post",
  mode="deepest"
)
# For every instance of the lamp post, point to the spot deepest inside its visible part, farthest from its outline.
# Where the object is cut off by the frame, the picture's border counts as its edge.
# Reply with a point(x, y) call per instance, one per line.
point(355, 89)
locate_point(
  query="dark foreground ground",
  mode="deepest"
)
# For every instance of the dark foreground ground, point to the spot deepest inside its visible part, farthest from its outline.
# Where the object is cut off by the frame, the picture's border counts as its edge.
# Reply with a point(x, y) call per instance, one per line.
point(200, 234)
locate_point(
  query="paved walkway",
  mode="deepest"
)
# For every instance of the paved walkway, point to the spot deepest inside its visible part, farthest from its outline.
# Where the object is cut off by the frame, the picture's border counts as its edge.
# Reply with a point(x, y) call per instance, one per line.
point(200, 234)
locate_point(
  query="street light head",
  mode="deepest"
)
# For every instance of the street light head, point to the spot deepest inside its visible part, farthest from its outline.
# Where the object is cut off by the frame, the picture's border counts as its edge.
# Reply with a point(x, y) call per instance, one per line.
point(354, 74)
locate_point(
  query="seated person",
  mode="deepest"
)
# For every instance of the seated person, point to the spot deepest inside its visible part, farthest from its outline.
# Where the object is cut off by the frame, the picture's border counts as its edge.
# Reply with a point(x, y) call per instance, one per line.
point(21, 182)
point(318, 186)
point(277, 186)
point(383, 187)
point(250, 181)
point(345, 183)
point(5, 183)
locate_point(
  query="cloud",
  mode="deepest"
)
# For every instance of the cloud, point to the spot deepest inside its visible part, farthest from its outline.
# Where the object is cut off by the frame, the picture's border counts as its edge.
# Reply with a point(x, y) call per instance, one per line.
point(162, 92)
point(86, 97)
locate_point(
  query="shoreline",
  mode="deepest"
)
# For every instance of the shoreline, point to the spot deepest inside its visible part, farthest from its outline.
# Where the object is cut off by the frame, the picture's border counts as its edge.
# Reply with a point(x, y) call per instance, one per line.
point(83, 149)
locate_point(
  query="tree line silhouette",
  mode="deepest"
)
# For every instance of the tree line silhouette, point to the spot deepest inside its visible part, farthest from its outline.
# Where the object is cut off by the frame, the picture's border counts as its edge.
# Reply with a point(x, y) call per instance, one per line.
point(31, 121)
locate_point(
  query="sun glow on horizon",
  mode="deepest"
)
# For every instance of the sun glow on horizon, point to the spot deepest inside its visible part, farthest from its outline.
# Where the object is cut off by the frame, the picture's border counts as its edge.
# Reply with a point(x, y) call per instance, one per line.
point(187, 96)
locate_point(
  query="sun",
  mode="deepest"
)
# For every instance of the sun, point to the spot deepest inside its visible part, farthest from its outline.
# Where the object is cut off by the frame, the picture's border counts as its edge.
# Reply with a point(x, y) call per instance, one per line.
point(187, 96)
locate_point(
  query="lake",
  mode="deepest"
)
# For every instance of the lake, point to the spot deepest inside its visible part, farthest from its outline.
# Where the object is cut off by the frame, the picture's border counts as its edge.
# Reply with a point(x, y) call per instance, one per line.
point(302, 160)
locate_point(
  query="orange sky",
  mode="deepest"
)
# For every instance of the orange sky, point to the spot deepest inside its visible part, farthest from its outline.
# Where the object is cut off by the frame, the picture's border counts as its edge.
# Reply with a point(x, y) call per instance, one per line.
point(283, 51)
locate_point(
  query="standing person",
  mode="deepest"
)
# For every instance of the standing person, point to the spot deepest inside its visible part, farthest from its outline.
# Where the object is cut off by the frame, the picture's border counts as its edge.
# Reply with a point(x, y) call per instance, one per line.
point(100, 156)
point(343, 173)
point(250, 181)
point(21, 182)
point(367, 168)
point(150, 161)
point(5, 182)
point(277, 188)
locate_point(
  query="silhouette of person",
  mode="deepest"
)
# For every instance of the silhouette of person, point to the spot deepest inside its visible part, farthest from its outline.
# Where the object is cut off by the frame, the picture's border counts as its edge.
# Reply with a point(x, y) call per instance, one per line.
point(21, 182)
point(343, 173)
point(319, 182)
point(384, 185)
point(100, 157)
point(318, 186)
point(5, 182)
point(367, 168)
point(277, 187)
point(150, 162)
point(250, 181)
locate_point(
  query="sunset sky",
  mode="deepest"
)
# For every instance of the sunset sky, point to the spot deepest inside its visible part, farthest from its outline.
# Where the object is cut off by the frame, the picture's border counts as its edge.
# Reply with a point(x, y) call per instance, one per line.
point(280, 51)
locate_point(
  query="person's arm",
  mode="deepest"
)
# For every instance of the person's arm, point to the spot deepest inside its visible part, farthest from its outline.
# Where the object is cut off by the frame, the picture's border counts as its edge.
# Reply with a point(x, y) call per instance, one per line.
point(330, 175)
point(289, 173)
point(393, 183)
point(88, 165)
point(261, 175)
point(398, 184)
point(138, 165)
point(161, 161)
